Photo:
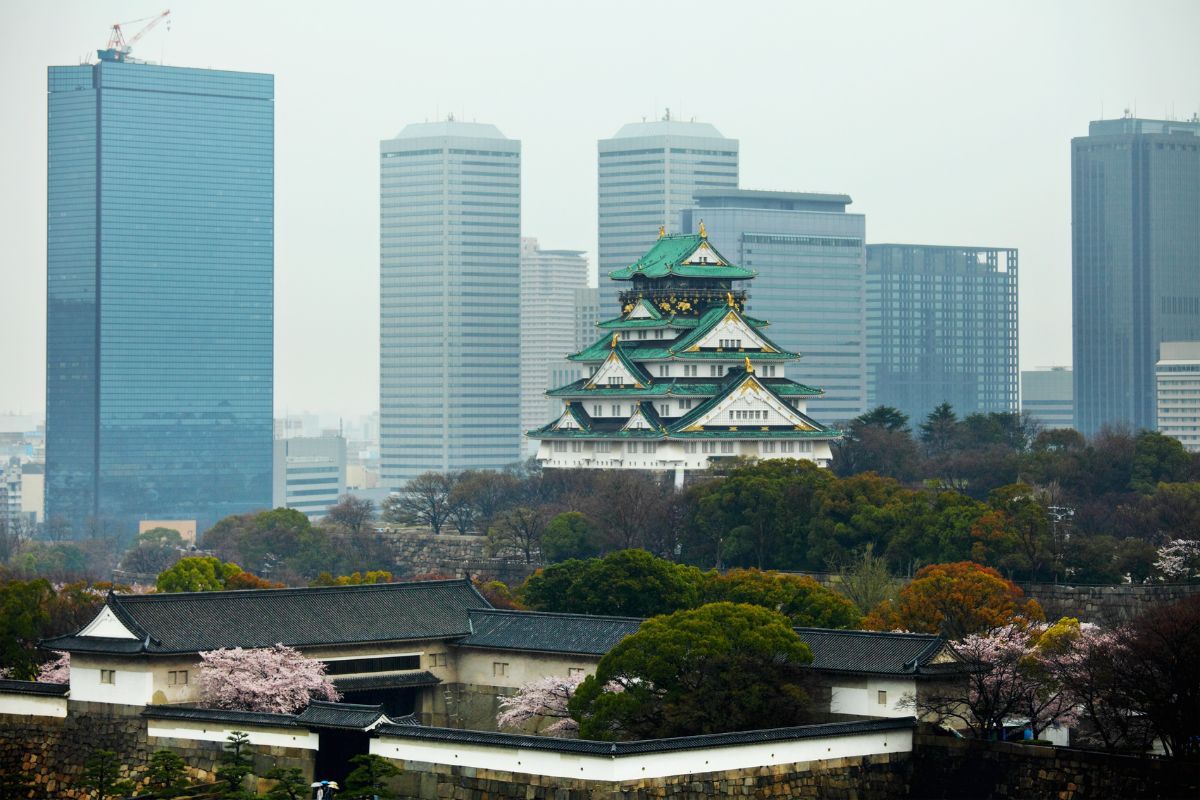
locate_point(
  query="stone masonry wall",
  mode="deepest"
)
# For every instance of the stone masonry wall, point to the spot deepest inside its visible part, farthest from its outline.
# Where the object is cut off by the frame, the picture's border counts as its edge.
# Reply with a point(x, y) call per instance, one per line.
point(52, 751)
point(880, 777)
point(967, 769)
point(417, 551)
point(1106, 605)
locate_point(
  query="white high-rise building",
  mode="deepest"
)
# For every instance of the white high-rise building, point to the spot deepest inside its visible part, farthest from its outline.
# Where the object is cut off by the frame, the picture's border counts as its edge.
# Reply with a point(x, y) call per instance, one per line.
point(449, 339)
point(309, 474)
point(1178, 378)
point(550, 280)
point(648, 173)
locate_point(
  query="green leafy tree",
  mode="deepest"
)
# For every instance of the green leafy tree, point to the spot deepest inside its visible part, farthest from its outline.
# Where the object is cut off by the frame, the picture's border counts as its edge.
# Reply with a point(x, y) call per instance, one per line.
point(165, 775)
point(159, 537)
point(801, 599)
point(24, 612)
point(570, 535)
point(289, 784)
point(867, 581)
point(939, 431)
point(624, 583)
point(102, 775)
point(1157, 459)
point(720, 667)
point(196, 574)
point(235, 764)
point(371, 776)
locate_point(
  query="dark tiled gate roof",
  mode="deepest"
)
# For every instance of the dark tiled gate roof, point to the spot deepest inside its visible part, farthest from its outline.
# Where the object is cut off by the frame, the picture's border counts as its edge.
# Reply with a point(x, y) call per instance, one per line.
point(548, 633)
point(871, 651)
point(189, 622)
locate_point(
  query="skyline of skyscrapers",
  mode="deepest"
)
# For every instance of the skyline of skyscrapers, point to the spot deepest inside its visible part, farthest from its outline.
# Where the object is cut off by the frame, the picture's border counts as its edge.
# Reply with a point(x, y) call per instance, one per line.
point(1135, 241)
point(550, 280)
point(942, 328)
point(160, 308)
point(450, 282)
point(647, 173)
point(810, 258)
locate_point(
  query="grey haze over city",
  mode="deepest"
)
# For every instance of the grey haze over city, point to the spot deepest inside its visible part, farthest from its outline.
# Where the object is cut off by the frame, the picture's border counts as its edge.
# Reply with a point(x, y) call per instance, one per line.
point(946, 122)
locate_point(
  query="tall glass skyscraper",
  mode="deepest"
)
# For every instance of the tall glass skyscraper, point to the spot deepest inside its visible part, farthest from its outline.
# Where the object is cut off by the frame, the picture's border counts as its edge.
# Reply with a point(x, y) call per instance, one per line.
point(550, 280)
point(449, 258)
point(160, 269)
point(648, 173)
point(1135, 262)
point(942, 328)
point(810, 259)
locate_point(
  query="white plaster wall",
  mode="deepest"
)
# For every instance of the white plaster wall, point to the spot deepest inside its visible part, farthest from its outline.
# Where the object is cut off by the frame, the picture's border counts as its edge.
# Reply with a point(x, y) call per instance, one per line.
point(132, 685)
point(217, 732)
point(669, 455)
point(163, 691)
point(633, 767)
point(106, 624)
point(476, 667)
point(861, 697)
point(30, 705)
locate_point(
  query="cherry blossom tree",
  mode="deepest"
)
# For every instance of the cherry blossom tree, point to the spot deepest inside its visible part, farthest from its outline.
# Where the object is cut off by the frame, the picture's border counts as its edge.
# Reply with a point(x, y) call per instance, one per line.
point(543, 699)
point(1179, 559)
point(277, 679)
point(56, 671)
point(1010, 682)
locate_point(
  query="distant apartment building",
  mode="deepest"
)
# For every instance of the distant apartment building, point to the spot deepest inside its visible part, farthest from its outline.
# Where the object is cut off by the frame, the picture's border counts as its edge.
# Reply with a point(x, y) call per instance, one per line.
point(588, 317)
point(160, 294)
point(550, 280)
point(1178, 379)
point(648, 173)
point(810, 258)
point(1135, 241)
point(449, 257)
point(1048, 395)
point(310, 474)
point(942, 328)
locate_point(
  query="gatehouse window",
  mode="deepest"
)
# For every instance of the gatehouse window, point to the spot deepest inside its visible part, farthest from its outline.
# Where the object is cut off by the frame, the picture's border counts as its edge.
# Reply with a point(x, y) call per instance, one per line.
point(499, 669)
point(108, 676)
point(177, 677)
point(882, 697)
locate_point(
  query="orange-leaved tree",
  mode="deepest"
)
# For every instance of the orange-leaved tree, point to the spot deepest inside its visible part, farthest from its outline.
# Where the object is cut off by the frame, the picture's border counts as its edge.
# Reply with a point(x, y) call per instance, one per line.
point(956, 600)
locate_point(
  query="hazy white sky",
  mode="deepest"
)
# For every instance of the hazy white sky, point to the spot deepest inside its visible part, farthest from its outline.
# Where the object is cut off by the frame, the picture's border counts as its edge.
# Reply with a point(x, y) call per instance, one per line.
point(947, 122)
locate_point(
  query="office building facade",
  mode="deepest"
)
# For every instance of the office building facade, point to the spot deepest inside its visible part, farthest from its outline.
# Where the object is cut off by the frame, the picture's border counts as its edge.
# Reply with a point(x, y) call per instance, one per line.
point(648, 173)
point(449, 254)
point(1048, 396)
point(160, 270)
point(1135, 268)
point(310, 474)
point(942, 328)
point(1178, 388)
point(550, 280)
point(810, 259)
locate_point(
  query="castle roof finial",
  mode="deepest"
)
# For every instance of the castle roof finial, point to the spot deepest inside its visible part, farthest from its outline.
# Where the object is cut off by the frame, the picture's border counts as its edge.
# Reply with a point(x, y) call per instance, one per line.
point(703, 230)
point(749, 366)
point(662, 231)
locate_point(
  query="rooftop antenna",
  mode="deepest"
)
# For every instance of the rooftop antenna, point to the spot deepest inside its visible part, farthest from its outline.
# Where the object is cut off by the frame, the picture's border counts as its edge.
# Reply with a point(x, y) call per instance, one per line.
point(118, 48)
point(667, 115)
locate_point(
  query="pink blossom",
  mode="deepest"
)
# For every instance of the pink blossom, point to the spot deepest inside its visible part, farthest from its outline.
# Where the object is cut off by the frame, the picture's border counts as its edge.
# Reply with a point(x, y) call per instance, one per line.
point(545, 698)
point(56, 671)
point(277, 679)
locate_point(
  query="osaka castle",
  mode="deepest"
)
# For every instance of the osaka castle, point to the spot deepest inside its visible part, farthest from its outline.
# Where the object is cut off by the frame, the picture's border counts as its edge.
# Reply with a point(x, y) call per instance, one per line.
point(684, 378)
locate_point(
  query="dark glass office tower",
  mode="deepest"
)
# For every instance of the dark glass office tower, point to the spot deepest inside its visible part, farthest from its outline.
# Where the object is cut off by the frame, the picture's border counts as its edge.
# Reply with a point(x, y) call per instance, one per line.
point(160, 257)
point(942, 328)
point(1135, 262)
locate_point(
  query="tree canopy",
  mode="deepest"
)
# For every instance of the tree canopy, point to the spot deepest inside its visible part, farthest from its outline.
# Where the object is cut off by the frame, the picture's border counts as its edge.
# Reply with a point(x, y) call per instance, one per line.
point(720, 667)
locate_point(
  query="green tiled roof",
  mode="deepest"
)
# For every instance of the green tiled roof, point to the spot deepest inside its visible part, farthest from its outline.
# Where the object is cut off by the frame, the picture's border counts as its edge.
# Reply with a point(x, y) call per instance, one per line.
point(678, 428)
point(666, 258)
point(646, 350)
point(676, 387)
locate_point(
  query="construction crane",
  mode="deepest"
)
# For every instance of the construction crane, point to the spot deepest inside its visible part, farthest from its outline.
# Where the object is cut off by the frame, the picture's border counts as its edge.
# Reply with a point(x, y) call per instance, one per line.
point(118, 48)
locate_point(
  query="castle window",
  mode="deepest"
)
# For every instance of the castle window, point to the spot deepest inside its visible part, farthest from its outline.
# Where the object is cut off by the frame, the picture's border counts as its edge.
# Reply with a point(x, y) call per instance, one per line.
point(597, 410)
point(108, 676)
point(649, 447)
point(576, 447)
point(664, 370)
point(685, 402)
point(499, 669)
point(560, 447)
point(575, 672)
point(177, 677)
point(727, 447)
point(616, 409)
point(614, 380)
point(437, 659)
point(689, 447)
point(708, 447)
point(603, 447)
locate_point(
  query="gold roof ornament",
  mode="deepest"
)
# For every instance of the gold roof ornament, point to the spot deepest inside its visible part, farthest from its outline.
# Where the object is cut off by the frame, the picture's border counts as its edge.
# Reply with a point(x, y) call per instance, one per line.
point(703, 230)
point(749, 366)
point(662, 231)
point(616, 338)
point(729, 299)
